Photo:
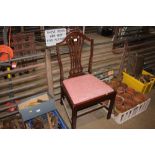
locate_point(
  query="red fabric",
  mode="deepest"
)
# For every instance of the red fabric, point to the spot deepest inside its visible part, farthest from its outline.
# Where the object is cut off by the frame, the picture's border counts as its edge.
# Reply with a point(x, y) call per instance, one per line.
point(85, 87)
point(5, 50)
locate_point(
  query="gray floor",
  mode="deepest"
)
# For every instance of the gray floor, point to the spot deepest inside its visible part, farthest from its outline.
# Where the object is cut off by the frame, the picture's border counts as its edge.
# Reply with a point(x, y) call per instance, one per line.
point(97, 119)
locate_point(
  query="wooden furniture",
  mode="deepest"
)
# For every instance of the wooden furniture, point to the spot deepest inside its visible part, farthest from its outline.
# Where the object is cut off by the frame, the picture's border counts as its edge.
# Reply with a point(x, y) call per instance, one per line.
point(82, 90)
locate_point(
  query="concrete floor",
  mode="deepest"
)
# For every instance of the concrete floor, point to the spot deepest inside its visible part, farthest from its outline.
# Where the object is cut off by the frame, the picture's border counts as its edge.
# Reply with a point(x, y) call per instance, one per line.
point(97, 119)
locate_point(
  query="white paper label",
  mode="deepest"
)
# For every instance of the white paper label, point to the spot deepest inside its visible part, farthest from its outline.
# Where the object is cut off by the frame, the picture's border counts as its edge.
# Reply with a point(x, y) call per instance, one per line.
point(13, 65)
point(54, 36)
point(38, 110)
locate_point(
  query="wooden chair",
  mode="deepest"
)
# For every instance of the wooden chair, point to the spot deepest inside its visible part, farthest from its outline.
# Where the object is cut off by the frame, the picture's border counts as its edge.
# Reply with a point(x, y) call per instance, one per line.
point(82, 90)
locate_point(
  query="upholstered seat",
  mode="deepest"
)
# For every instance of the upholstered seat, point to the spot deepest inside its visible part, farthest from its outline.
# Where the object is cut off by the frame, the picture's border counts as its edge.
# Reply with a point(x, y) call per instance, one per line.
point(86, 87)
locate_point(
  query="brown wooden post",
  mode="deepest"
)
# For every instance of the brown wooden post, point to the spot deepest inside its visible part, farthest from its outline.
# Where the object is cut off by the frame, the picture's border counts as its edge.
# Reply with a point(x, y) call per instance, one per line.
point(42, 31)
point(115, 36)
point(83, 29)
point(5, 31)
point(49, 73)
point(22, 28)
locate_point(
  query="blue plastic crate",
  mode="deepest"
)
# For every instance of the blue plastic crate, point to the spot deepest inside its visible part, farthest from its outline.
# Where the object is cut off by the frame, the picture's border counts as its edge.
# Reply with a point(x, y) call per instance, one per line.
point(61, 123)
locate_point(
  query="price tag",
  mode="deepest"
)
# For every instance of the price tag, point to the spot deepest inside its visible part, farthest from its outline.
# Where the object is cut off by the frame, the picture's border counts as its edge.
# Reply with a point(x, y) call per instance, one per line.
point(110, 72)
point(14, 65)
point(38, 110)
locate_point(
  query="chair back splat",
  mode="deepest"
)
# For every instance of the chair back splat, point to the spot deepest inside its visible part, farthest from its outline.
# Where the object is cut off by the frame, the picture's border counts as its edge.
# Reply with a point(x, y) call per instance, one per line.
point(75, 42)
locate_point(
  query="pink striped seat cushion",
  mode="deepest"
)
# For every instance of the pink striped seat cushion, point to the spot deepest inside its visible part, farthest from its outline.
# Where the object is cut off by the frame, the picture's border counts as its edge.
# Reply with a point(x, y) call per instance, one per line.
point(86, 87)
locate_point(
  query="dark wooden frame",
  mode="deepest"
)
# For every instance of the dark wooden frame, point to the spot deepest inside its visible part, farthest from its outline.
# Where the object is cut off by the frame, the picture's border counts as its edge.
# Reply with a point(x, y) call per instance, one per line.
point(75, 50)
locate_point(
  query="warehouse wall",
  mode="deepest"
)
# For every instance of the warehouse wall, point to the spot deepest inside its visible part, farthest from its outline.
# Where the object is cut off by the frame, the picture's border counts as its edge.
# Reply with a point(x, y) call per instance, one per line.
point(35, 81)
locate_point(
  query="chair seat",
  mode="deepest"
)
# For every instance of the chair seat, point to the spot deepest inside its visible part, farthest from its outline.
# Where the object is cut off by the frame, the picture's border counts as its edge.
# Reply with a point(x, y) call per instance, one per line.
point(86, 87)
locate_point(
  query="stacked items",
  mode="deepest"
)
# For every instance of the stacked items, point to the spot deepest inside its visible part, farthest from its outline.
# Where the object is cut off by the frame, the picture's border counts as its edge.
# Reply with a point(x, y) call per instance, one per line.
point(39, 112)
point(146, 78)
point(134, 75)
point(41, 122)
point(14, 122)
point(52, 120)
point(144, 85)
point(126, 97)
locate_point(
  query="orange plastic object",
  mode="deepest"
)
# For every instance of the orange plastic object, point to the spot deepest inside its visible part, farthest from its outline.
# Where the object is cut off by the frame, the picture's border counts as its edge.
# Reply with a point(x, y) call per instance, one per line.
point(4, 51)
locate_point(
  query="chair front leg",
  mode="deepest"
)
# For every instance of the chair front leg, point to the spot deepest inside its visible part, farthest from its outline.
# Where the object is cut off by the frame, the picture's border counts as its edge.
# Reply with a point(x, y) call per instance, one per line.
point(62, 96)
point(112, 101)
point(74, 118)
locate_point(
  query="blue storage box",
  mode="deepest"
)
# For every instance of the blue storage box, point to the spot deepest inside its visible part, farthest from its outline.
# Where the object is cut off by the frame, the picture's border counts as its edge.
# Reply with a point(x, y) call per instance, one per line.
point(38, 106)
point(35, 106)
